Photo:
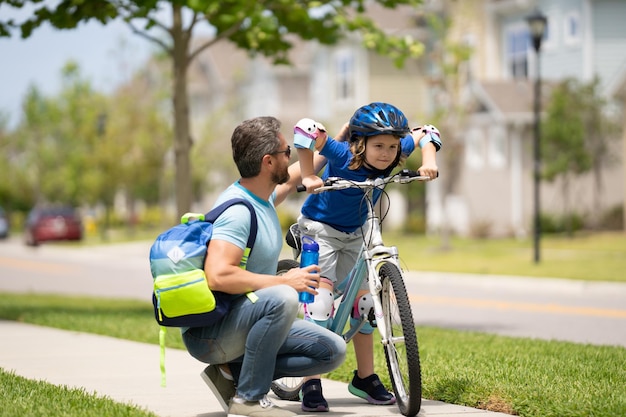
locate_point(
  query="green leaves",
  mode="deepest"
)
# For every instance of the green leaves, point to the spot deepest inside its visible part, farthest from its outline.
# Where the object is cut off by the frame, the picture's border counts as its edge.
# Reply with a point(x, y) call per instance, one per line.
point(80, 147)
point(264, 27)
point(573, 128)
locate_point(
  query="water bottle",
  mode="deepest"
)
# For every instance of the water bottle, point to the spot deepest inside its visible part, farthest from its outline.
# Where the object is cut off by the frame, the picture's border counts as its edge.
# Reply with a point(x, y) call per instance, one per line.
point(310, 256)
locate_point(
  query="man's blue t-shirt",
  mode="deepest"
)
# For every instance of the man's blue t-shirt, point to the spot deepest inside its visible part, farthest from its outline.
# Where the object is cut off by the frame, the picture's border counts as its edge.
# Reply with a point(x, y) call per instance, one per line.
point(344, 210)
point(234, 226)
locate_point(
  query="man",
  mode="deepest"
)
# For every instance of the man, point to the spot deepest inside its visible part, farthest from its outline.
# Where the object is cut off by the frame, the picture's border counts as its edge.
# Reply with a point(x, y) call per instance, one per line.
point(260, 339)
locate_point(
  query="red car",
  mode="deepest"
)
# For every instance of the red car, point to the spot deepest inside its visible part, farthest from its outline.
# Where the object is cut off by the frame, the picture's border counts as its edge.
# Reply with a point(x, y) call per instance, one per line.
point(52, 223)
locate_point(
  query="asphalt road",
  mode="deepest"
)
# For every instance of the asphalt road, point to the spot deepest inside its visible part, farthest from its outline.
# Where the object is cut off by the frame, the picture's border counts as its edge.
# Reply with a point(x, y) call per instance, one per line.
point(581, 312)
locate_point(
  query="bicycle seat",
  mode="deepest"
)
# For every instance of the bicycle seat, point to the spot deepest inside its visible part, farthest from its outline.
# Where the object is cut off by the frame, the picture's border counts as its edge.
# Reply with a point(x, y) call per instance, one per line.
point(292, 237)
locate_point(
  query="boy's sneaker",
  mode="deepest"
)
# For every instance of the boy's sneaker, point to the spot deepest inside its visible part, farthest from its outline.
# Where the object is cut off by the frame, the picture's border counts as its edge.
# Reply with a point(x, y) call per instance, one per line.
point(371, 389)
point(222, 387)
point(311, 396)
point(262, 408)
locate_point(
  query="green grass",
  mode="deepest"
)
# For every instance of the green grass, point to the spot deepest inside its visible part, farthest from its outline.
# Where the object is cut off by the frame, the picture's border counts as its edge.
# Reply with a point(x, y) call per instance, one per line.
point(27, 398)
point(597, 257)
point(530, 378)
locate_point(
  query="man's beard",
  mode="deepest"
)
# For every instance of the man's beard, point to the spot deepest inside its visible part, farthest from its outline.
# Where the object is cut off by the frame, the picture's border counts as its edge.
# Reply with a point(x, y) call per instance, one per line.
point(280, 177)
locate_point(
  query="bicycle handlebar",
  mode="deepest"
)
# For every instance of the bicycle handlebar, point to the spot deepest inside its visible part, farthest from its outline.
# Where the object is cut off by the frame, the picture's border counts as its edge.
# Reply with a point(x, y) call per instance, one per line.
point(404, 176)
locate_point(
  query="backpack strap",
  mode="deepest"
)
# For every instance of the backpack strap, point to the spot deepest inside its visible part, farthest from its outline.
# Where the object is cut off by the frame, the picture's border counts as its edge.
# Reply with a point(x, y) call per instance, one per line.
point(212, 215)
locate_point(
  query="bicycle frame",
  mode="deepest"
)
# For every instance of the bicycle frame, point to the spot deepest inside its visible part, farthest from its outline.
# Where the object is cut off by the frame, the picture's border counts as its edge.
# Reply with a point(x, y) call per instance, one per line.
point(373, 252)
point(365, 267)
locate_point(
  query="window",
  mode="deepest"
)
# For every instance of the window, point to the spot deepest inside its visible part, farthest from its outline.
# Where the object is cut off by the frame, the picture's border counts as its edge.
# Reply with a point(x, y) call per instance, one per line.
point(344, 61)
point(572, 28)
point(516, 51)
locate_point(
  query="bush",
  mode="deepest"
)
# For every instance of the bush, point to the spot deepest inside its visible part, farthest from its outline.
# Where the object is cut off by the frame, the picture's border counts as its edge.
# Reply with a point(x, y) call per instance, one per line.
point(613, 218)
point(568, 223)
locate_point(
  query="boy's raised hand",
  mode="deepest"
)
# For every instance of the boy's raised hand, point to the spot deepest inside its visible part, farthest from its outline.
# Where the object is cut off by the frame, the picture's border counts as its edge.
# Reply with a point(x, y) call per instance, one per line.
point(311, 182)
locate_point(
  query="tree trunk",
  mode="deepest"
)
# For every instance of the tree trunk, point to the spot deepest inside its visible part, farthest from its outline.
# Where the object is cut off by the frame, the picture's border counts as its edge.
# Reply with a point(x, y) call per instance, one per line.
point(596, 213)
point(182, 138)
point(568, 213)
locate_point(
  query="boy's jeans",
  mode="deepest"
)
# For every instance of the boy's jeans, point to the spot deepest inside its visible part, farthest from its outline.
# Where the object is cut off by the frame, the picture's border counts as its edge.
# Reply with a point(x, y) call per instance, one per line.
point(262, 342)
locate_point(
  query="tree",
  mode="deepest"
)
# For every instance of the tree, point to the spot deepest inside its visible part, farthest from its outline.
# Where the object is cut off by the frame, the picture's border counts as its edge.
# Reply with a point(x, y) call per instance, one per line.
point(577, 135)
point(82, 148)
point(260, 27)
point(138, 139)
point(564, 139)
point(56, 141)
point(601, 131)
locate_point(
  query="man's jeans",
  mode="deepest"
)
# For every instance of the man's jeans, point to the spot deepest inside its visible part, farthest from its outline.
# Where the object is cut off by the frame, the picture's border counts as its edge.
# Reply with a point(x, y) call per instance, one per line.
point(262, 342)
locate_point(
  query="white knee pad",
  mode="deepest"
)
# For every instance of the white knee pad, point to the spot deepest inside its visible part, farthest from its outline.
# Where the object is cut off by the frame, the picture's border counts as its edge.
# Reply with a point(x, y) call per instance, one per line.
point(323, 306)
point(362, 305)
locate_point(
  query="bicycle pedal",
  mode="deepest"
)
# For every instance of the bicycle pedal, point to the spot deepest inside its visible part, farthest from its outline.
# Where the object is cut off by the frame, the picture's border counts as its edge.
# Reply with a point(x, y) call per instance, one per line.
point(371, 317)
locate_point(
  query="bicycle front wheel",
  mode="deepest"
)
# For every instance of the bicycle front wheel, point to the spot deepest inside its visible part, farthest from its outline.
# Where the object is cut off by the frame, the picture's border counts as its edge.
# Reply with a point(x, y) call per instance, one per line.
point(400, 342)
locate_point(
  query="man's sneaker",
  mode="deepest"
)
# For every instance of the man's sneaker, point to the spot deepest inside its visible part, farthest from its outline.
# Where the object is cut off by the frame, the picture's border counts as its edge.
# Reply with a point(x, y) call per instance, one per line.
point(311, 396)
point(262, 408)
point(223, 388)
point(371, 389)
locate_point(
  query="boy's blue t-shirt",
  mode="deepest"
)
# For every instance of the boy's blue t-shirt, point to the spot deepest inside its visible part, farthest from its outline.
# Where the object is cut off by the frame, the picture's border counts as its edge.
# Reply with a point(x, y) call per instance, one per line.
point(234, 226)
point(344, 209)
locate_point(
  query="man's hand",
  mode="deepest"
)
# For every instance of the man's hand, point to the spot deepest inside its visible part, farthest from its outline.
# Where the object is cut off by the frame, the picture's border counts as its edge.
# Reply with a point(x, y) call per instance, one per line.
point(305, 279)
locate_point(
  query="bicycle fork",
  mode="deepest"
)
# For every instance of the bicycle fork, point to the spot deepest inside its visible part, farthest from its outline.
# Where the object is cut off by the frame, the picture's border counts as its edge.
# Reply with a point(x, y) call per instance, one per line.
point(375, 284)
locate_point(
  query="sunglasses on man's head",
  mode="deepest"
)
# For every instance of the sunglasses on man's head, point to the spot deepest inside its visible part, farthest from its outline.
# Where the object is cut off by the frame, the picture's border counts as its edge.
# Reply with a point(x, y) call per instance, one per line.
point(286, 151)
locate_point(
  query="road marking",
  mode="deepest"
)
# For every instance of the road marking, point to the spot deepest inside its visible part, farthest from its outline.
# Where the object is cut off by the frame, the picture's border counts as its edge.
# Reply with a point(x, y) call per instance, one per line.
point(37, 266)
point(505, 305)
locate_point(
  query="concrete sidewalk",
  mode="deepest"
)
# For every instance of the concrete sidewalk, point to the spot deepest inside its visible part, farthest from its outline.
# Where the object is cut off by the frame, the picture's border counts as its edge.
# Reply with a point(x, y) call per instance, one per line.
point(129, 372)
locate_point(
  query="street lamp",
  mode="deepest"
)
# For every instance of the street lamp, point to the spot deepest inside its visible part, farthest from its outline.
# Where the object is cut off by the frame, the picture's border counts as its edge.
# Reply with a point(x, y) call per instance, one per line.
point(537, 25)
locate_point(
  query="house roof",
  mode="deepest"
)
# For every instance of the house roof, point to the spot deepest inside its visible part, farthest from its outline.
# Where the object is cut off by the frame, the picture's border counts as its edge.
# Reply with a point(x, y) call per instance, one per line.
point(509, 96)
point(511, 100)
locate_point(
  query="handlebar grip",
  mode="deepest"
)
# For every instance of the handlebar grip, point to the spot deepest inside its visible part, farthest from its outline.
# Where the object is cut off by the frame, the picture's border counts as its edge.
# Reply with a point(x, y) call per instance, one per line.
point(410, 173)
point(300, 188)
point(419, 174)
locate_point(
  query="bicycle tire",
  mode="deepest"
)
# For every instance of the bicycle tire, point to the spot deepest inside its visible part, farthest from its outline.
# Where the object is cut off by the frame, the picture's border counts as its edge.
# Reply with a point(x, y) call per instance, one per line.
point(287, 388)
point(285, 265)
point(401, 349)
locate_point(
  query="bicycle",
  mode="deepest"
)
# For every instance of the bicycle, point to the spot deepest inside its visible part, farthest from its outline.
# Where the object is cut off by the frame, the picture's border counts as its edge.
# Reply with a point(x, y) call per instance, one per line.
point(391, 314)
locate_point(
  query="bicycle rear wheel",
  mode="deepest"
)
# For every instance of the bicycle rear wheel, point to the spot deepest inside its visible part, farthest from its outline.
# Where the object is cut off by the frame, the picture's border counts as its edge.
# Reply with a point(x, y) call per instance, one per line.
point(400, 344)
point(287, 388)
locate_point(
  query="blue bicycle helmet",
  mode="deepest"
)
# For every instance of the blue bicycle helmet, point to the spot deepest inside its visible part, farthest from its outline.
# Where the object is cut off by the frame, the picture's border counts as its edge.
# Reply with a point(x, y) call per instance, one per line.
point(378, 119)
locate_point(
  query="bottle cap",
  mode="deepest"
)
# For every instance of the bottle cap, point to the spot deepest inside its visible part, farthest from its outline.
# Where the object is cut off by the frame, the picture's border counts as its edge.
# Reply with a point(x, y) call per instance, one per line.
point(309, 244)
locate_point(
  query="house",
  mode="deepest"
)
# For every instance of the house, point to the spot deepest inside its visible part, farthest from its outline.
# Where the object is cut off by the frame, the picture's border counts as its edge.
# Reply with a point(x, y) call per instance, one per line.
point(492, 192)
point(583, 39)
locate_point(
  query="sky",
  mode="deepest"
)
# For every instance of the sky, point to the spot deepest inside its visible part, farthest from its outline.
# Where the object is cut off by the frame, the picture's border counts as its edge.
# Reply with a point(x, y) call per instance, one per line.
point(106, 56)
